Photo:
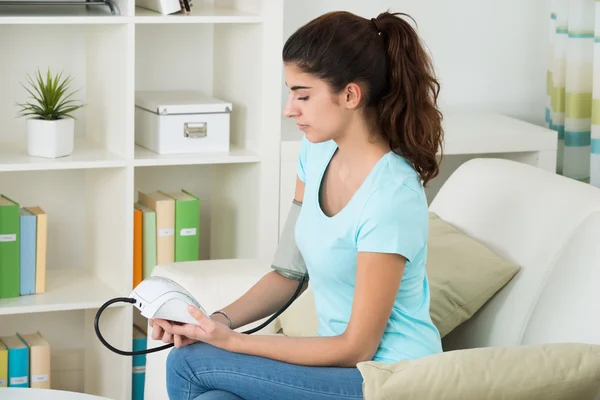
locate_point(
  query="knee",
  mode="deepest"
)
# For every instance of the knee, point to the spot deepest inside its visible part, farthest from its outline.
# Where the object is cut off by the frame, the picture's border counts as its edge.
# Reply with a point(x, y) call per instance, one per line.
point(177, 360)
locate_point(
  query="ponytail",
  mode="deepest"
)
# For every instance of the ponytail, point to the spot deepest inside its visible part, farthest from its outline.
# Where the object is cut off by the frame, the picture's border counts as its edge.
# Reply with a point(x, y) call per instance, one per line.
point(408, 114)
point(386, 55)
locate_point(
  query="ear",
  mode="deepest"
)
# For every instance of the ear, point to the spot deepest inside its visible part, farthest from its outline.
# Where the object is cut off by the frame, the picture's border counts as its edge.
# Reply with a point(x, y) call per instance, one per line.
point(352, 95)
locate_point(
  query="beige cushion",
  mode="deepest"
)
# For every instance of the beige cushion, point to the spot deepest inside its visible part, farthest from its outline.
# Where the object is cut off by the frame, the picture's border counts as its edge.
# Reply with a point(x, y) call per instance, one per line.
point(463, 275)
point(541, 372)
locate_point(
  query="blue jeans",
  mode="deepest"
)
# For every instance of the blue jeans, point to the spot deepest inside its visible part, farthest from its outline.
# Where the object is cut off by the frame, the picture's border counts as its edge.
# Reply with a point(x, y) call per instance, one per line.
point(203, 372)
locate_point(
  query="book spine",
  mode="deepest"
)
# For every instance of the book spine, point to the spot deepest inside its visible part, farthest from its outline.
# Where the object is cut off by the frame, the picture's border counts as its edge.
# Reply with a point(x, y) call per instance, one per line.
point(27, 254)
point(9, 251)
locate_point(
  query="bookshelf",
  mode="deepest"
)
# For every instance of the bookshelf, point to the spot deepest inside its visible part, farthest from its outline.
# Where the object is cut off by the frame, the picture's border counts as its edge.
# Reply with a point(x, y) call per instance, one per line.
point(227, 49)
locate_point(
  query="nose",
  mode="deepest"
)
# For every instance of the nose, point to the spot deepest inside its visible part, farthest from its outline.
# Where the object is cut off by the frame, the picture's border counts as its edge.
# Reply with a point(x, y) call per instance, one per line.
point(289, 111)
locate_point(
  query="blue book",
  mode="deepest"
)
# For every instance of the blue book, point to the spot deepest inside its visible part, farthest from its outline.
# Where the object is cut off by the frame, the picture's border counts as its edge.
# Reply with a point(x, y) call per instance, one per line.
point(18, 361)
point(27, 249)
point(138, 364)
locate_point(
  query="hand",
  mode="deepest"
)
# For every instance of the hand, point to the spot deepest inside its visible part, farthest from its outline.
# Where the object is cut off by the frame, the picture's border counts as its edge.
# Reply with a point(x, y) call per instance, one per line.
point(209, 331)
point(159, 333)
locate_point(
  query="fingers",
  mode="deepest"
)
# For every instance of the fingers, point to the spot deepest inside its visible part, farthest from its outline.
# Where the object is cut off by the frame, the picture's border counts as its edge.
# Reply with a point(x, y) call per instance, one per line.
point(208, 325)
point(181, 341)
point(188, 330)
point(162, 331)
point(157, 332)
point(167, 338)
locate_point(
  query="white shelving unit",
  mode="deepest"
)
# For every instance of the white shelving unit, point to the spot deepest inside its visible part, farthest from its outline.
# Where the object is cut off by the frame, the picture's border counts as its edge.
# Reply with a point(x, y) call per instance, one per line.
point(227, 49)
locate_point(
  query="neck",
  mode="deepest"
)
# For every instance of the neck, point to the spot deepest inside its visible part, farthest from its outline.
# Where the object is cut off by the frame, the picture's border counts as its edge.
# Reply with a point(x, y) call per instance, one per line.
point(359, 145)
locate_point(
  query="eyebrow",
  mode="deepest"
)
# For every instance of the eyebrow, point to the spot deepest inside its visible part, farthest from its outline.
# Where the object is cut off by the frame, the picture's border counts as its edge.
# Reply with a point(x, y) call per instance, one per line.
point(293, 88)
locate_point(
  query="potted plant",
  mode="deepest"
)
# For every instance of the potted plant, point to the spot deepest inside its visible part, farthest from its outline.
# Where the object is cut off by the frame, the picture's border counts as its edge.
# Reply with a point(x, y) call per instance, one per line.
point(50, 128)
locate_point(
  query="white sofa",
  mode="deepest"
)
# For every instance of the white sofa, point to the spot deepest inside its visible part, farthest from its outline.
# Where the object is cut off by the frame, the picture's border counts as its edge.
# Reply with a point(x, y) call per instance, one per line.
point(548, 224)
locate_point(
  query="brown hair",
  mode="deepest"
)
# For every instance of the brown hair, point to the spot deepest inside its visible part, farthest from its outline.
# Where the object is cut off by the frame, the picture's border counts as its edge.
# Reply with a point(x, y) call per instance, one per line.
point(385, 55)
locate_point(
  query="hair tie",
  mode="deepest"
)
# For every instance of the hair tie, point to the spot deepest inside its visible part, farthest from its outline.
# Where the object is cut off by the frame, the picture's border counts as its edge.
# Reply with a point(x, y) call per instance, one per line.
point(374, 20)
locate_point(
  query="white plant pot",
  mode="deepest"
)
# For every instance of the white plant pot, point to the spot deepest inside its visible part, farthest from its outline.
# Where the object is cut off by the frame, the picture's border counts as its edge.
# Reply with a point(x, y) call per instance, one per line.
point(50, 139)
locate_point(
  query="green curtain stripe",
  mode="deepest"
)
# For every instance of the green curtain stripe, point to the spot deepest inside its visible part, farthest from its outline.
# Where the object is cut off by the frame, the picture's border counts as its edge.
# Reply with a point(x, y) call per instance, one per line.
point(596, 111)
point(557, 99)
point(562, 30)
point(553, 15)
point(578, 105)
point(578, 139)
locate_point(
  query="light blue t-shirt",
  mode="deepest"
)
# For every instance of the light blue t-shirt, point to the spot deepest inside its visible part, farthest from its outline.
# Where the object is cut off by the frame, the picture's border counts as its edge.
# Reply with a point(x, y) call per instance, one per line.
point(387, 214)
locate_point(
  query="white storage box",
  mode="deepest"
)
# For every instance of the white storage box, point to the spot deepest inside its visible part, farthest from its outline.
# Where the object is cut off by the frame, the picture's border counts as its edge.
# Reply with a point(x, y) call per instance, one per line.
point(176, 122)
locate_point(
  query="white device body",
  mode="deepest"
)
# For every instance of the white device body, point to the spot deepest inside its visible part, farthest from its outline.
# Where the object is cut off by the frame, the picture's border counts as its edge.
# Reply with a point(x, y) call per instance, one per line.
point(161, 298)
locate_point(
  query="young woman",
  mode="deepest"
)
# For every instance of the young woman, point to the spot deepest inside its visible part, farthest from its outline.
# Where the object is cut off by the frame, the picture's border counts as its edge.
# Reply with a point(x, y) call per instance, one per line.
point(365, 96)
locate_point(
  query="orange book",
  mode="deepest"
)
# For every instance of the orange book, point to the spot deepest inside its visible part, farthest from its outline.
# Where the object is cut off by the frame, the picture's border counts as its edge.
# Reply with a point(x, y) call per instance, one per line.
point(137, 246)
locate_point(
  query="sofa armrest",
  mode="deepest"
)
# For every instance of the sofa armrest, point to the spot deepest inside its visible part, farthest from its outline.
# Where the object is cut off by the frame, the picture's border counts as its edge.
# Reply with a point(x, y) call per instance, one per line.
point(214, 284)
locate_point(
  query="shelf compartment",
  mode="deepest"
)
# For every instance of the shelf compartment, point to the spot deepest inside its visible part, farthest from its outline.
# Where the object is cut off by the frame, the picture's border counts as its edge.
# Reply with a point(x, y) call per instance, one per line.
point(199, 15)
point(97, 59)
point(147, 158)
point(66, 289)
point(14, 157)
point(18, 14)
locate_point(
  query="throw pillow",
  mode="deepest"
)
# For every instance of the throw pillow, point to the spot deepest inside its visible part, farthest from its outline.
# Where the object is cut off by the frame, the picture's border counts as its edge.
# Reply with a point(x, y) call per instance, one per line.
point(463, 274)
point(557, 371)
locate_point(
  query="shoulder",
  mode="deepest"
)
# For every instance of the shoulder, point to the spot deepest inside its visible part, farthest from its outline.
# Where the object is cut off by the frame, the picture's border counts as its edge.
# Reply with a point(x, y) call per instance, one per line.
point(395, 216)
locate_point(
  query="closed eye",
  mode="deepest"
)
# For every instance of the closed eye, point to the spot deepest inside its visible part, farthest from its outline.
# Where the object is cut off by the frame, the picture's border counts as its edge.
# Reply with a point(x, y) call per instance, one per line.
point(303, 98)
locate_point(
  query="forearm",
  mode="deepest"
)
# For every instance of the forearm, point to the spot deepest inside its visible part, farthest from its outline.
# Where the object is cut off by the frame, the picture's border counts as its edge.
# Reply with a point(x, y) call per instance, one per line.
point(332, 351)
point(265, 298)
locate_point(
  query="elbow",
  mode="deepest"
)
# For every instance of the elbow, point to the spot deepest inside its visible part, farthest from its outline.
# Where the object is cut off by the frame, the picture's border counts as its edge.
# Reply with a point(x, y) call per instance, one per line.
point(357, 351)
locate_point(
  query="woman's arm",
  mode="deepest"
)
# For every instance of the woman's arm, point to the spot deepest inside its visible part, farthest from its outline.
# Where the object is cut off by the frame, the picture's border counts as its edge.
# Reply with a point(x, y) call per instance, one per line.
point(377, 282)
point(267, 296)
point(263, 299)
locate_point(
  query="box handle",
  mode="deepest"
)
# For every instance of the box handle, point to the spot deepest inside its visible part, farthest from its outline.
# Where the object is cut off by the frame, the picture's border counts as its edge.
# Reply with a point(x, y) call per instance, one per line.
point(194, 129)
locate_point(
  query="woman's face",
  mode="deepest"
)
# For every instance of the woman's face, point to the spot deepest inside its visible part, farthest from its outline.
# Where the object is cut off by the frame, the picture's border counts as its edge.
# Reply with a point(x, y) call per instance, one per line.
point(319, 113)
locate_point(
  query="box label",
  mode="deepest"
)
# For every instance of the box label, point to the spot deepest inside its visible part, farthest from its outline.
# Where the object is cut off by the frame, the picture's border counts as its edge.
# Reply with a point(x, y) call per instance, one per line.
point(18, 380)
point(8, 237)
point(39, 378)
point(188, 232)
point(166, 232)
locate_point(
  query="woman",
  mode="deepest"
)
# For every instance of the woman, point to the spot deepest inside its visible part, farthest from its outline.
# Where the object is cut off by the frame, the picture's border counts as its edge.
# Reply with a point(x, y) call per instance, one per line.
point(364, 94)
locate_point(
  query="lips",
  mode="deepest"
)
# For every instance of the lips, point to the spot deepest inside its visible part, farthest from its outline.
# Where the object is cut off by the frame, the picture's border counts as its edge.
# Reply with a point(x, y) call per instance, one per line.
point(302, 127)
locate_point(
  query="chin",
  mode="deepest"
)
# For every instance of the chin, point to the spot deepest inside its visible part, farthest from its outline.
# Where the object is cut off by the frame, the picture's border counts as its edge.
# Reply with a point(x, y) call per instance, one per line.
point(315, 138)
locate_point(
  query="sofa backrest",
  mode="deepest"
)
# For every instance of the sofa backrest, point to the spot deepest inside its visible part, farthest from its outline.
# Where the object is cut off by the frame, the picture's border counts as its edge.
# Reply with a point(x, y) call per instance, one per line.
point(535, 219)
point(568, 306)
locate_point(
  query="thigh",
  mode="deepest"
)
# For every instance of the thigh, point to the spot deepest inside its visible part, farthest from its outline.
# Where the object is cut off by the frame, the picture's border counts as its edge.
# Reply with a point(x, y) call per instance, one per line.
point(199, 368)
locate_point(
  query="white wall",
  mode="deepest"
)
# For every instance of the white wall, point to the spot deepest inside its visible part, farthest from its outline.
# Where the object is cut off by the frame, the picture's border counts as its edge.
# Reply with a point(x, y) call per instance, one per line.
point(489, 56)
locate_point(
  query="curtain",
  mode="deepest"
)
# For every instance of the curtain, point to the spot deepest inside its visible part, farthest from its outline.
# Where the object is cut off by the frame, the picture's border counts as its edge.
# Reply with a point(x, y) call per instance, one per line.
point(573, 87)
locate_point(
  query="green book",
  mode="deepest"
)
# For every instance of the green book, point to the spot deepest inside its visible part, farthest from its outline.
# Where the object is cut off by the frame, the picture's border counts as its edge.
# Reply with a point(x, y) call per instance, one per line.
point(10, 214)
point(187, 226)
point(148, 239)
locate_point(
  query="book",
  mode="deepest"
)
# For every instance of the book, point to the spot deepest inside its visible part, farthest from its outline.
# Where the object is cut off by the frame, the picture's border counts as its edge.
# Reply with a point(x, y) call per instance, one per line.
point(187, 226)
point(164, 207)
point(3, 365)
point(9, 248)
point(148, 239)
point(137, 246)
point(138, 363)
point(41, 248)
point(39, 360)
point(27, 252)
point(18, 361)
